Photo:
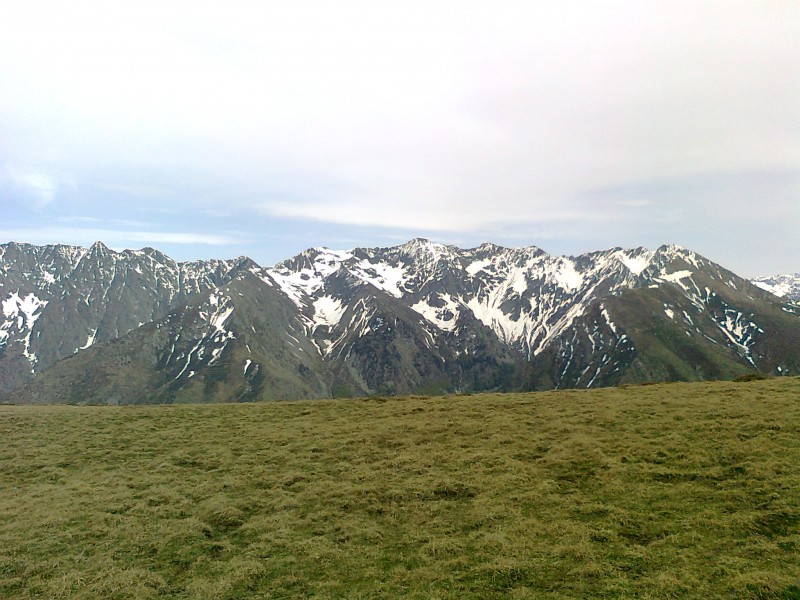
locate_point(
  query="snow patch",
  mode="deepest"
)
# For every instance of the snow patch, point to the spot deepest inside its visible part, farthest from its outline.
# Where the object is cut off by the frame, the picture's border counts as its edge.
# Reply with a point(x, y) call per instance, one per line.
point(776, 290)
point(21, 314)
point(383, 276)
point(477, 266)
point(90, 339)
point(444, 317)
point(519, 282)
point(23, 308)
point(739, 332)
point(676, 276)
point(328, 311)
point(636, 264)
point(218, 319)
point(607, 317)
point(567, 277)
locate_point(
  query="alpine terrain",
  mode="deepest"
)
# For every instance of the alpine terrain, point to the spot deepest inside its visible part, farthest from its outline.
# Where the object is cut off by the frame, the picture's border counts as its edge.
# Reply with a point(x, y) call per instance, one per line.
point(784, 286)
point(90, 325)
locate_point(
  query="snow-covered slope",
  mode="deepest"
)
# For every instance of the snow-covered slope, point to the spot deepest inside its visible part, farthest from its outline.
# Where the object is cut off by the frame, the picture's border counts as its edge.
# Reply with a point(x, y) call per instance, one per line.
point(783, 286)
point(525, 296)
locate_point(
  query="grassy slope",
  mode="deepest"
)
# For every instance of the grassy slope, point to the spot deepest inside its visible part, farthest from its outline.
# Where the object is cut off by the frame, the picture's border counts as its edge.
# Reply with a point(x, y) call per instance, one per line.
point(685, 490)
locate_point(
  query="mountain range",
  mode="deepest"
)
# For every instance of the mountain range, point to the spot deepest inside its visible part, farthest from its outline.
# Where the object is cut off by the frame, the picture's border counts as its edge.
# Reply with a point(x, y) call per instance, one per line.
point(784, 286)
point(91, 325)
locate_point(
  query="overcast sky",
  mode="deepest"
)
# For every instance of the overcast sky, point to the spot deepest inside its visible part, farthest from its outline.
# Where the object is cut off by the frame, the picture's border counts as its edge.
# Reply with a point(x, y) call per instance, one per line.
point(210, 129)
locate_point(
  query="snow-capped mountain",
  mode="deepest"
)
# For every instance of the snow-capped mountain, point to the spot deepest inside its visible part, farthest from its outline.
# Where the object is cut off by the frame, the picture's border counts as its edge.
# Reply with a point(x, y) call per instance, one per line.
point(783, 286)
point(525, 296)
point(57, 300)
point(135, 326)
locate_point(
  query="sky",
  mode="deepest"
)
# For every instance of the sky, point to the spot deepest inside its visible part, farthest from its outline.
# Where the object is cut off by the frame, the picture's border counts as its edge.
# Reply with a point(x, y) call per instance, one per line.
point(210, 129)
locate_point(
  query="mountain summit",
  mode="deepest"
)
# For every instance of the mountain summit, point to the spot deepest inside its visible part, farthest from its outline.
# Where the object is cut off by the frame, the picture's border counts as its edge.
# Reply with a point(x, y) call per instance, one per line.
point(94, 325)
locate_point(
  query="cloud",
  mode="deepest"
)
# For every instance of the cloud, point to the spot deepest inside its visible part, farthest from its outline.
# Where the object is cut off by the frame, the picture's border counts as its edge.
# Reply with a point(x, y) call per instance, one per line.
point(597, 123)
point(113, 237)
point(173, 237)
point(417, 215)
point(37, 187)
point(139, 190)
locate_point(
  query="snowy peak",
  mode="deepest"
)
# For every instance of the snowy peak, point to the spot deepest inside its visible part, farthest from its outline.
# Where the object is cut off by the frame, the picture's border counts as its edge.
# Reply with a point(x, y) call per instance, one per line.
point(99, 249)
point(784, 286)
point(423, 249)
point(303, 277)
point(525, 296)
point(489, 248)
point(637, 260)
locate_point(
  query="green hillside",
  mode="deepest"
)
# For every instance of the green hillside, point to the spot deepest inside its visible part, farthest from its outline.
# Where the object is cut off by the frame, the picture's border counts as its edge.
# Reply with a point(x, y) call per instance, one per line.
point(672, 490)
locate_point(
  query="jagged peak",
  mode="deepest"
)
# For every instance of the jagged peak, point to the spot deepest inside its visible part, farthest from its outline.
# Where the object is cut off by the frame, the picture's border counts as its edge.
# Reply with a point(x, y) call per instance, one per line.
point(639, 259)
point(675, 250)
point(637, 250)
point(636, 260)
point(332, 255)
point(421, 242)
point(150, 251)
point(670, 252)
point(425, 247)
point(780, 276)
point(316, 258)
point(417, 241)
point(99, 249)
point(489, 247)
point(242, 263)
point(23, 247)
point(529, 251)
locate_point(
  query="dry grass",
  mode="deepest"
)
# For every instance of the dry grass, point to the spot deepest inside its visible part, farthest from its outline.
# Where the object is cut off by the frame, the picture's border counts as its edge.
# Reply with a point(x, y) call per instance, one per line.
point(683, 490)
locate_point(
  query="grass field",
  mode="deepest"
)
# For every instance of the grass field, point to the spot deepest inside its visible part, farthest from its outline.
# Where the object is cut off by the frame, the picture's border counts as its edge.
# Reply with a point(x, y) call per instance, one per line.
point(680, 490)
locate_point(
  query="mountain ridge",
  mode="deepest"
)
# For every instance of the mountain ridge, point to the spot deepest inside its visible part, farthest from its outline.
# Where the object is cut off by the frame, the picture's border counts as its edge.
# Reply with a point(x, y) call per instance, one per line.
point(417, 316)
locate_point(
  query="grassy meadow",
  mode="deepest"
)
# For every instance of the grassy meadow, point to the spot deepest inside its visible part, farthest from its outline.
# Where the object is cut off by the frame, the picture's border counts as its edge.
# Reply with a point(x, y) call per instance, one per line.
point(656, 491)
